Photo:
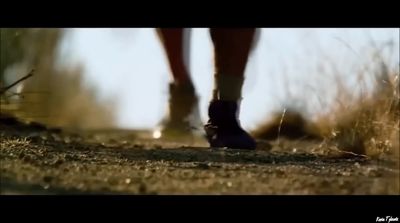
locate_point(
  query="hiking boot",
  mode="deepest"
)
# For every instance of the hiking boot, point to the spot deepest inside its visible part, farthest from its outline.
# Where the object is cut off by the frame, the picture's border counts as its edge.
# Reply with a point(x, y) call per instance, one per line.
point(223, 128)
point(183, 111)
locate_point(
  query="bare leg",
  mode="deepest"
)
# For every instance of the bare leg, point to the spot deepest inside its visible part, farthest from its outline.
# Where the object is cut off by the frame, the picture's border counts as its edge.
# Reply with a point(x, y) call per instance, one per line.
point(175, 42)
point(231, 51)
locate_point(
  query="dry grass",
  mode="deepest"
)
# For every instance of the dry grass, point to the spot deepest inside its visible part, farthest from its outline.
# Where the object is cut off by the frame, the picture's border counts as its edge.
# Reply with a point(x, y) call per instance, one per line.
point(364, 124)
point(368, 124)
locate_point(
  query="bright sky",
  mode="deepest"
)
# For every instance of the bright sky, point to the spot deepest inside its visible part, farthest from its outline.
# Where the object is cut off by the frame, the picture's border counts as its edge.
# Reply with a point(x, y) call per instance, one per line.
point(129, 66)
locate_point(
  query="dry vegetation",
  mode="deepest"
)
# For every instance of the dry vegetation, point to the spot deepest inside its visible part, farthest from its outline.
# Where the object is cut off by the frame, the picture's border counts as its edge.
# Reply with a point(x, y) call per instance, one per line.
point(357, 124)
point(370, 126)
point(55, 95)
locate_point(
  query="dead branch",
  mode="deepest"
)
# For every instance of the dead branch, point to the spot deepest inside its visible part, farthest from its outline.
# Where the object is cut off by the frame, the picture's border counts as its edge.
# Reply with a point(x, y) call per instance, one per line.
point(30, 74)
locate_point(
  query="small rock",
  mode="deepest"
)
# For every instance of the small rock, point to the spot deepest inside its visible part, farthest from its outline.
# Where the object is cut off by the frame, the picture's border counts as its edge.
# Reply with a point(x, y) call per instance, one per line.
point(58, 162)
point(27, 159)
point(346, 174)
point(142, 188)
point(373, 172)
point(56, 137)
point(48, 179)
point(203, 165)
point(127, 180)
point(67, 139)
point(280, 172)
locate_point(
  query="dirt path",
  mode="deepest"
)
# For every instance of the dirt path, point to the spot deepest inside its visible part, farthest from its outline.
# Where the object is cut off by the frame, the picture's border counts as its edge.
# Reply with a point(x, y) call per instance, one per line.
point(37, 161)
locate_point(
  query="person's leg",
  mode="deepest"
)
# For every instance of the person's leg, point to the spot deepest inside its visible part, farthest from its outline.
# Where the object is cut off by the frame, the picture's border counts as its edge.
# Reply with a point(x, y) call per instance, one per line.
point(176, 45)
point(231, 51)
point(182, 97)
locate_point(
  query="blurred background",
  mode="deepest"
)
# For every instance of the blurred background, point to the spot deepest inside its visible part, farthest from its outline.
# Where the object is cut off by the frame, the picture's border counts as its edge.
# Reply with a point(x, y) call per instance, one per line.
point(109, 77)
